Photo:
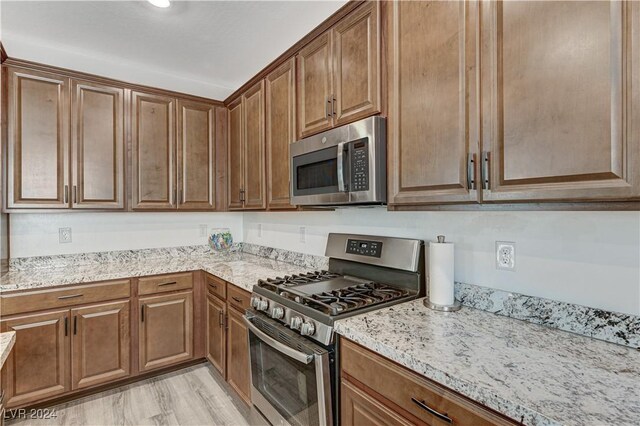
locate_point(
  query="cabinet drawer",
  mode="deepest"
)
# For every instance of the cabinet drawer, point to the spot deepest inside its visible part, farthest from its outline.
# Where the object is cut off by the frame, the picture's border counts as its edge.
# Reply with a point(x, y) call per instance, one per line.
point(216, 286)
point(238, 298)
point(164, 283)
point(68, 296)
point(407, 392)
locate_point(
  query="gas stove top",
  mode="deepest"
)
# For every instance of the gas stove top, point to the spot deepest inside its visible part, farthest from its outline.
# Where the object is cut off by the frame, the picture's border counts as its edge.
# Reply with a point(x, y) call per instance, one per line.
point(365, 273)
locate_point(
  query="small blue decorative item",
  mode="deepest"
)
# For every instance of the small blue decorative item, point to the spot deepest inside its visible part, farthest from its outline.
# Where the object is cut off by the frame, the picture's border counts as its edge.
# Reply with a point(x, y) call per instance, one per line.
point(220, 239)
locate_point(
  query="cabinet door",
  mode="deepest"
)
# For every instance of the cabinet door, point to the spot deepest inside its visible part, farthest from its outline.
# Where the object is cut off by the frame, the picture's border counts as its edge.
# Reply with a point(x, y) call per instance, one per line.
point(97, 146)
point(356, 66)
point(238, 368)
point(358, 409)
point(100, 344)
point(432, 97)
point(280, 129)
point(315, 89)
point(38, 140)
point(235, 156)
point(166, 330)
point(196, 156)
point(559, 86)
point(254, 147)
point(153, 131)
point(37, 367)
point(216, 334)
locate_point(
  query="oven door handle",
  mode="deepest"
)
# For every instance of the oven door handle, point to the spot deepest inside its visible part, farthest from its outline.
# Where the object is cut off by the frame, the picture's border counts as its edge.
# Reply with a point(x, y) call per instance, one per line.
point(279, 346)
point(341, 186)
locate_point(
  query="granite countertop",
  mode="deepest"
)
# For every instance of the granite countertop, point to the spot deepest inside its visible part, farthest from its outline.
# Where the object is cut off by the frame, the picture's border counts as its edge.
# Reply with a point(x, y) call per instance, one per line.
point(7, 339)
point(240, 269)
point(531, 373)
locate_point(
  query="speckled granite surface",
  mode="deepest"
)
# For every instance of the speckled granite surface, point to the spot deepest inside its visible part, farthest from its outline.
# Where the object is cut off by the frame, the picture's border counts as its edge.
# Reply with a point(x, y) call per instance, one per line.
point(528, 372)
point(7, 340)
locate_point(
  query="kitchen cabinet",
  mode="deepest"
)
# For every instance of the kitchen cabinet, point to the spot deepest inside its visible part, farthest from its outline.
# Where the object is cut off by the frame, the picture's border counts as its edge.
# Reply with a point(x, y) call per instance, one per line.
point(100, 344)
point(432, 135)
point(165, 330)
point(339, 73)
point(246, 151)
point(97, 146)
point(559, 118)
point(280, 120)
point(37, 139)
point(375, 390)
point(238, 368)
point(37, 367)
point(216, 332)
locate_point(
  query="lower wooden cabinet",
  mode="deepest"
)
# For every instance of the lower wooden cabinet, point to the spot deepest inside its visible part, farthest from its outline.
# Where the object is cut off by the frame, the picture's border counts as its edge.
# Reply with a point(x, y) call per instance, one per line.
point(216, 333)
point(238, 370)
point(358, 408)
point(166, 330)
point(100, 344)
point(37, 368)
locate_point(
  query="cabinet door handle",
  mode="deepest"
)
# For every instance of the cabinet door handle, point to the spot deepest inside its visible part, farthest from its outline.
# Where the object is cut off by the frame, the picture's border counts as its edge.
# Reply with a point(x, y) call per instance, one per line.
point(66, 194)
point(66, 326)
point(486, 157)
point(237, 299)
point(471, 171)
point(75, 324)
point(142, 313)
point(430, 410)
point(333, 105)
point(69, 296)
point(75, 194)
point(181, 196)
point(168, 283)
point(242, 192)
point(213, 286)
point(327, 106)
point(221, 319)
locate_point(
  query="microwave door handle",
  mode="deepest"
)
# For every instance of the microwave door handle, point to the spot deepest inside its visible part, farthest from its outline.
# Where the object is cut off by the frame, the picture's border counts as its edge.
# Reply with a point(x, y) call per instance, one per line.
point(341, 186)
point(279, 346)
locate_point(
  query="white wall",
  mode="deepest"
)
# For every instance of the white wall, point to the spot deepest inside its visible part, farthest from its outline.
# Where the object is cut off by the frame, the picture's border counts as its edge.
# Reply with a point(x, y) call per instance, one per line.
point(589, 258)
point(37, 234)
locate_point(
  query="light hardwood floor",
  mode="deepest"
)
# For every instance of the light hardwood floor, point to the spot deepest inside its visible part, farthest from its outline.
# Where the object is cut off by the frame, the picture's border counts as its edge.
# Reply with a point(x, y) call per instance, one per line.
point(193, 396)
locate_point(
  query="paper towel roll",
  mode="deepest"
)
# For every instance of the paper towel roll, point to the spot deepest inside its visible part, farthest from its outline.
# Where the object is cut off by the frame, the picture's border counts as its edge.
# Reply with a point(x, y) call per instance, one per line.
point(441, 273)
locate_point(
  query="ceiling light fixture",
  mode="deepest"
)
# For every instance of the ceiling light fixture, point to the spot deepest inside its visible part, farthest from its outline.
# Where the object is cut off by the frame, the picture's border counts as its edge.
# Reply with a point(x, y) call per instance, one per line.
point(160, 3)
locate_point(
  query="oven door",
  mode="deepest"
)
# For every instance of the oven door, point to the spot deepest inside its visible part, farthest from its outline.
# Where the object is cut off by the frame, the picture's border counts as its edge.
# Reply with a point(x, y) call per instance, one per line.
point(289, 375)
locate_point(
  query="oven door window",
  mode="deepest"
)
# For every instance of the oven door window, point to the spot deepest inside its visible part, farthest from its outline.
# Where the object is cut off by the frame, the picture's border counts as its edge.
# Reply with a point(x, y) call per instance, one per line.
point(288, 385)
point(316, 172)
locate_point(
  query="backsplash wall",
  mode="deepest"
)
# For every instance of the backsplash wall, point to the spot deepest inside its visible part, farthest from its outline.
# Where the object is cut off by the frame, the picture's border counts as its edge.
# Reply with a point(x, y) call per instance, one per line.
point(37, 234)
point(588, 258)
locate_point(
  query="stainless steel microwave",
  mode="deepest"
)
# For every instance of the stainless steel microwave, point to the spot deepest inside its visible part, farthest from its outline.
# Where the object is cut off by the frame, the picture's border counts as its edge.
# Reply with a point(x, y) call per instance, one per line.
point(342, 166)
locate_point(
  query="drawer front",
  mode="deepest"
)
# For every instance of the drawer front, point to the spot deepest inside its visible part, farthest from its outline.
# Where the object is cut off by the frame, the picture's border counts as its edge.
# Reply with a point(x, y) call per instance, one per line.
point(68, 296)
point(238, 298)
point(415, 395)
point(216, 286)
point(165, 283)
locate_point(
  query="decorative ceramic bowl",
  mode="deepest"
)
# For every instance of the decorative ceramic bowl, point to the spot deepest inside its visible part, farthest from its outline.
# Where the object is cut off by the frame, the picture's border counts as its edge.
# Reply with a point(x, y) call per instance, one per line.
point(220, 239)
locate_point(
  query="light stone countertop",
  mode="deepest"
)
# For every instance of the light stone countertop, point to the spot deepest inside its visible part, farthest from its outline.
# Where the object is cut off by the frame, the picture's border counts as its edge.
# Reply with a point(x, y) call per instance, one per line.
point(531, 373)
point(7, 340)
point(240, 269)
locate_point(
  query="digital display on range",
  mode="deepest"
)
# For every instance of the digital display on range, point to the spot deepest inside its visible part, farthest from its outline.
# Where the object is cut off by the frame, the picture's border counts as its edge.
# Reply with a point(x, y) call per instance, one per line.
point(364, 248)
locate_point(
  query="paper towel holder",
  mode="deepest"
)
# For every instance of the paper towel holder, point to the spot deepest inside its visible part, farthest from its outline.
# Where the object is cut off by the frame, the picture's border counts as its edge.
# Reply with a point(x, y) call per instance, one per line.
point(442, 308)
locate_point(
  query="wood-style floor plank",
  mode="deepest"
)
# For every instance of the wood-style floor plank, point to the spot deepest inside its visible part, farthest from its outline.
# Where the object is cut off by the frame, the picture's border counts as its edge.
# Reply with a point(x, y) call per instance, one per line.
point(194, 396)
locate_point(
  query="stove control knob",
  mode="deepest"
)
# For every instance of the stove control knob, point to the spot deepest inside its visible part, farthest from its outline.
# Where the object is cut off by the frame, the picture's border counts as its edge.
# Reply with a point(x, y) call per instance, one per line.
point(277, 313)
point(307, 328)
point(295, 323)
point(260, 304)
point(254, 302)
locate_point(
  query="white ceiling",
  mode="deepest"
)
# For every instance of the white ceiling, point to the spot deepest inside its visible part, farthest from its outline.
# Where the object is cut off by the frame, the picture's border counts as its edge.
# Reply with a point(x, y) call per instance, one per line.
point(206, 48)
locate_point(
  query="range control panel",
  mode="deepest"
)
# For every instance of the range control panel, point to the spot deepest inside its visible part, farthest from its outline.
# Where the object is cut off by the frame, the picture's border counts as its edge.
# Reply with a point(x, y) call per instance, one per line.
point(360, 165)
point(364, 247)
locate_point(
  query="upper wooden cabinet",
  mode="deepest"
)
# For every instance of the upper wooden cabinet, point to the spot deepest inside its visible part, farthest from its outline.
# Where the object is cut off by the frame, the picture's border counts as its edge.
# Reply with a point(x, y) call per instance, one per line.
point(196, 155)
point(560, 96)
point(97, 146)
point(432, 144)
point(37, 139)
point(280, 131)
point(339, 72)
point(246, 151)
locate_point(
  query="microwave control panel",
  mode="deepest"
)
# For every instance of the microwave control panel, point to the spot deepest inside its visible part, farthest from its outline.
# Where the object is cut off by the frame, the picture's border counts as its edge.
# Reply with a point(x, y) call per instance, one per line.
point(359, 165)
point(364, 248)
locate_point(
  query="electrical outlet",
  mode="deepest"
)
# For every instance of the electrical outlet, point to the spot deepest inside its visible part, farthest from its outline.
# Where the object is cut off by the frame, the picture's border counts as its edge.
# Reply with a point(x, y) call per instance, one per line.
point(303, 234)
point(259, 230)
point(203, 230)
point(64, 235)
point(506, 255)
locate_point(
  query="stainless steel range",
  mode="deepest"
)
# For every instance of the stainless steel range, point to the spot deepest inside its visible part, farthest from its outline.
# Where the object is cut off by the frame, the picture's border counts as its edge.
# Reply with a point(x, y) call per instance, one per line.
point(291, 323)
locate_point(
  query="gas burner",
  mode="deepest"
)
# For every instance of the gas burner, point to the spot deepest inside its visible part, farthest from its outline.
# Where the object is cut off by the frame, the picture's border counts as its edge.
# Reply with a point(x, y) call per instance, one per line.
point(346, 299)
point(274, 284)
